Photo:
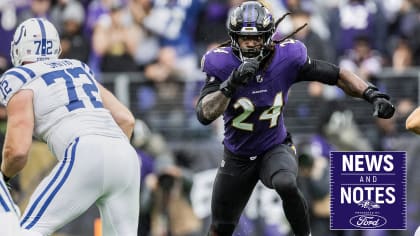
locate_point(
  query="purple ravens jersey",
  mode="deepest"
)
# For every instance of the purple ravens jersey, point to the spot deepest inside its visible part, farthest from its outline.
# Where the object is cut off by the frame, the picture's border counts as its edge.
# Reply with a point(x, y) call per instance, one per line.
point(253, 121)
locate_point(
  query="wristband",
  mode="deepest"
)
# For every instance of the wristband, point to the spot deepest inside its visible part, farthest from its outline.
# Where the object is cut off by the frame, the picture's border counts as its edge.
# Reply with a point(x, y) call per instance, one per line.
point(227, 89)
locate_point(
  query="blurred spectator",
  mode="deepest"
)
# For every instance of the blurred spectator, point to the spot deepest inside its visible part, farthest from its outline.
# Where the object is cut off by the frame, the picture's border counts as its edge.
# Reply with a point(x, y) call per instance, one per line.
point(165, 193)
point(176, 28)
point(115, 41)
point(141, 140)
point(409, 26)
point(164, 68)
point(396, 12)
point(402, 57)
point(382, 136)
point(313, 180)
point(95, 9)
point(172, 213)
point(392, 8)
point(338, 126)
point(317, 47)
point(74, 44)
point(58, 11)
point(38, 8)
point(212, 22)
point(159, 101)
point(148, 47)
point(316, 19)
point(354, 18)
point(4, 64)
point(362, 59)
point(8, 22)
point(402, 61)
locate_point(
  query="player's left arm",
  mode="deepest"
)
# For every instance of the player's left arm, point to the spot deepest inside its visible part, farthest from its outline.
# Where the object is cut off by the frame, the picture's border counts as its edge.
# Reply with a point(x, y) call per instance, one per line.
point(121, 114)
point(413, 121)
point(356, 87)
point(350, 83)
point(20, 125)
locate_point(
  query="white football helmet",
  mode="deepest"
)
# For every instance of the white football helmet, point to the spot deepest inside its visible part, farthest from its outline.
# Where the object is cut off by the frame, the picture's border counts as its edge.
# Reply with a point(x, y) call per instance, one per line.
point(35, 39)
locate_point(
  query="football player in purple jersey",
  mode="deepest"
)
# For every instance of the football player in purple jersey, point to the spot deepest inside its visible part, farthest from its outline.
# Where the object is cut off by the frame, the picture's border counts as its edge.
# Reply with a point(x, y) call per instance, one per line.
point(248, 81)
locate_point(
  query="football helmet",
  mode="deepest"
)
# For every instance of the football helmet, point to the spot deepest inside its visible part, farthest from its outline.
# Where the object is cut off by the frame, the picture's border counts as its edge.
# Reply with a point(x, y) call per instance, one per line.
point(251, 18)
point(35, 39)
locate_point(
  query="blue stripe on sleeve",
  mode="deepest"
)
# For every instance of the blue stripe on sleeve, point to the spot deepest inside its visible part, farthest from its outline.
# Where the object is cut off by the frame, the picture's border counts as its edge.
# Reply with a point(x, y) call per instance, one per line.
point(17, 75)
point(30, 72)
point(3, 204)
point(8, 199)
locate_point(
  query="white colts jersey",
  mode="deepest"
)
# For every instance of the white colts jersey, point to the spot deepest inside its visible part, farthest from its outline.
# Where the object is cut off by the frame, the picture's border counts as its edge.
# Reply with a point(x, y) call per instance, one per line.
point(67, 103)
point(96, 162)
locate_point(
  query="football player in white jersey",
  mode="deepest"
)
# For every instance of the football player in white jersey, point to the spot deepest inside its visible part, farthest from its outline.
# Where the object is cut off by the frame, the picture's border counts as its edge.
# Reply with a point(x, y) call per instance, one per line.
point(86, 128)
point(9, 214)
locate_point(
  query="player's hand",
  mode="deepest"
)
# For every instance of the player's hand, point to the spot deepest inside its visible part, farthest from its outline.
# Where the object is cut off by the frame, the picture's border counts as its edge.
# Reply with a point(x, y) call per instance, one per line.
point(248, 69)
point(383, 108)
point(240, 76)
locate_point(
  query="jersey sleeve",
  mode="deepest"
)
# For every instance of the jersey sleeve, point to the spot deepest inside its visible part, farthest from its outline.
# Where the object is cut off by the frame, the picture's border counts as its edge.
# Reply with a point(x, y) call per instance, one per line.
point(14, 80)
point(218, 63)
point(87, 68)
point(297, 52)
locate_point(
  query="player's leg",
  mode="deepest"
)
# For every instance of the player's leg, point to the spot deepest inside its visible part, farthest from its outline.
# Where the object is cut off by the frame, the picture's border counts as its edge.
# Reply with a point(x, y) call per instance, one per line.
point(9, 223)
point(70, 189)
point(417, 233)
point(9, 214)
point(234, 183)
point(279, 171)
point(119, 208)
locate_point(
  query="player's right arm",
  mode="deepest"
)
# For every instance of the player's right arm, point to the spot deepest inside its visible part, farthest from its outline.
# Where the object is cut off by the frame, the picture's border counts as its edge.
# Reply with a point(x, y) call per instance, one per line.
point(20, 125)
point(121, 114)
point(215, 95)
point(211, 105)
point(413, 121)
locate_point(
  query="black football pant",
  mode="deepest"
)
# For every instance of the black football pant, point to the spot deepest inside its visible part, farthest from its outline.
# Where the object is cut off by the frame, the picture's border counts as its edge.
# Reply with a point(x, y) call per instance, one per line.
point(236, 178)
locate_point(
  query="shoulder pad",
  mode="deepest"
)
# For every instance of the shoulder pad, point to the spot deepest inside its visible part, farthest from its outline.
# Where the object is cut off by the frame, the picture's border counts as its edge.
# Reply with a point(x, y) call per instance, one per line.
point(219, 62)
point(12, 80)
point(293, 50)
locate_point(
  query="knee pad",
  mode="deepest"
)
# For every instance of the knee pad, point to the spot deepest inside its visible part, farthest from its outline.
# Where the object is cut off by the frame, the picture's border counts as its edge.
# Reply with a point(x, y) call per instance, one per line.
point(221, 229)
point(284, 183)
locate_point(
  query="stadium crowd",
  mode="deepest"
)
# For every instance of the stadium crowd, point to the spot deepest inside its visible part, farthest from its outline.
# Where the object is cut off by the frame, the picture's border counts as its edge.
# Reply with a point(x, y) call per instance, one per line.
point(160, 44)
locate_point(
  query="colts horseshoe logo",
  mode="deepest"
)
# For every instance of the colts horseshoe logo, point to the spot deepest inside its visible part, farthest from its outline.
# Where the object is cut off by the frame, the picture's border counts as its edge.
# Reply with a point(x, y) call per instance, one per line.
point(22, 31)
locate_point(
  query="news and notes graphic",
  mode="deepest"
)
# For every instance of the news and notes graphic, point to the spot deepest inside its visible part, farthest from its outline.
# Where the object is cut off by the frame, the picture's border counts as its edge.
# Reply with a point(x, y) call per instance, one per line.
point(368, 190)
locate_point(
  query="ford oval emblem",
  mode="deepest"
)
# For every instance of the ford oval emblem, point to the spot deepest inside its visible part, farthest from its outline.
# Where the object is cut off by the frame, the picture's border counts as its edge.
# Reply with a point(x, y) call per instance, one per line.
point(368, 221)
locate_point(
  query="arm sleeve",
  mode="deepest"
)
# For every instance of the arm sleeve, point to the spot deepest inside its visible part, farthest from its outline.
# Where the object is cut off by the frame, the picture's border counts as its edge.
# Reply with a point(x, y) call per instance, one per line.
point(212, 85)
point(318, 70)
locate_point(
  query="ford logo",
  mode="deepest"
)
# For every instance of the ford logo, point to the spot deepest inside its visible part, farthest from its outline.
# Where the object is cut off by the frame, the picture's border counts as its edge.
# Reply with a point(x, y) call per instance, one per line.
point(367, 221)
